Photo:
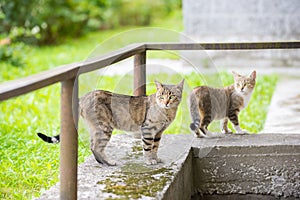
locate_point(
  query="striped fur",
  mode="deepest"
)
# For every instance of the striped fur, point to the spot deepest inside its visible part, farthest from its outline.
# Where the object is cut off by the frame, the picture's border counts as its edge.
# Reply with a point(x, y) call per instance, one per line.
point(105, 111)
point(208, 104)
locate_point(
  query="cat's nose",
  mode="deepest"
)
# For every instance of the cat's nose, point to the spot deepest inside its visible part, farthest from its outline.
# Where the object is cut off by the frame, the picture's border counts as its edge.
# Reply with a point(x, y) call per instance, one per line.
point(167, 104)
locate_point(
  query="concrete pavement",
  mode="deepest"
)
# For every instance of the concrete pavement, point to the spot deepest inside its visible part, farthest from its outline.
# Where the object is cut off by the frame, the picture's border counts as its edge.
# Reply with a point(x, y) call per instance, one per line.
point(284, 111)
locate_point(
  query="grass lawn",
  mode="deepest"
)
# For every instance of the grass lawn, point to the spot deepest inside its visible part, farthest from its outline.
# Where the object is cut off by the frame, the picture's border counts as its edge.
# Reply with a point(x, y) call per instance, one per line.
point(30, 166)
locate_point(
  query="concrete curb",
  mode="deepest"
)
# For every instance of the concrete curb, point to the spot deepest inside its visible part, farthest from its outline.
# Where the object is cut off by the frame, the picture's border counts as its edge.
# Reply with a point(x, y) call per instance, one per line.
point(260, 166)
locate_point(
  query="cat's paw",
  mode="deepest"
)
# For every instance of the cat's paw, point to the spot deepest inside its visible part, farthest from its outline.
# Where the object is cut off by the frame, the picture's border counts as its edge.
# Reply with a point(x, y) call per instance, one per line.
point(226, 132)
point(151, 161)
point(199, 134)
point(111, 163)
point(103, 159)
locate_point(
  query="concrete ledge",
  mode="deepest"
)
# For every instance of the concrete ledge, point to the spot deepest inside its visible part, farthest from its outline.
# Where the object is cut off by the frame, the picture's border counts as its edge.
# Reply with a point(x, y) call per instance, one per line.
point(265, 166)
point(131, 178)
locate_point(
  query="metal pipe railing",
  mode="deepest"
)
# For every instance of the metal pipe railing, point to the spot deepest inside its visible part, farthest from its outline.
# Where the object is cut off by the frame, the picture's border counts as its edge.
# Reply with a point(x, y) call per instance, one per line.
point(139, 86)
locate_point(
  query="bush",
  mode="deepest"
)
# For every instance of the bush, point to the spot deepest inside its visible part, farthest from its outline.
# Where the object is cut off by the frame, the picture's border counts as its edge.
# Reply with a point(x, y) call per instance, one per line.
point(50, 21)
point(11, 49)
point(47, 21)
point(12, 54)
point(137, 13)
point(60, 19)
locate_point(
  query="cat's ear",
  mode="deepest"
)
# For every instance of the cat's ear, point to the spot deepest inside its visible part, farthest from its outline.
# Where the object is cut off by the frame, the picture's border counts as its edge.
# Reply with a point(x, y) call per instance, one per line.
point(236, 75)
point(180, 85)
point(253, 75)
point(158, 85)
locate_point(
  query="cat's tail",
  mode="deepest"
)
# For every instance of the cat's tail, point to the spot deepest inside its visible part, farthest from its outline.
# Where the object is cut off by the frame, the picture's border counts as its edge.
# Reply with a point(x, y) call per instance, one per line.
point(194, 111)
point(53, 139)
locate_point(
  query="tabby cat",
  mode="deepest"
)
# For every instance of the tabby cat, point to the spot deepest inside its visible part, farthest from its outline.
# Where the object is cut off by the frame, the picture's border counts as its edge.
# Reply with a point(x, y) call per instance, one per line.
point(104, 111)
point(208, 104)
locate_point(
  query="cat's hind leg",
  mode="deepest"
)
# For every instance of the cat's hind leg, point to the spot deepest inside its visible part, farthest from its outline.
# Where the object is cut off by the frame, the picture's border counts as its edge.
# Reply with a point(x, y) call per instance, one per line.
point(196, 129)
point(100, 136)
point(98, 118)
point(204, 129)
point(195, 115)
point(205, 121)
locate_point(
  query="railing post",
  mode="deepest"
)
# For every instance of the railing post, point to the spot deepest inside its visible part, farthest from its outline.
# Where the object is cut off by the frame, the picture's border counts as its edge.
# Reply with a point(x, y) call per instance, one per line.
point(75, 103)
point(140, 74)
point(68, 143)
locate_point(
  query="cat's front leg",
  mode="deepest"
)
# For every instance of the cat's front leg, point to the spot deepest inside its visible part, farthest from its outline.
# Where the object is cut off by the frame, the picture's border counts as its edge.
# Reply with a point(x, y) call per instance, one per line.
point(155, 147)
point(150, 155)
point(150, 151)
point(233, 116)
point(151, 139)
point(239, 130)
point(224, 126)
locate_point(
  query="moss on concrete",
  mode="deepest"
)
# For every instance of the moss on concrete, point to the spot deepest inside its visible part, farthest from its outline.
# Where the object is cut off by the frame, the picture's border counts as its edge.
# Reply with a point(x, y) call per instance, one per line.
point(136, 151)
point(136, 180)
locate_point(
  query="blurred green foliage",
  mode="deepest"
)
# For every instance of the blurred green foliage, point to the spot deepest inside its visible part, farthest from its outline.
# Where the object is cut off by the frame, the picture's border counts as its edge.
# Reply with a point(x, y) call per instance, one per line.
point(11, 54)
point(44, 22)
point(50, 21)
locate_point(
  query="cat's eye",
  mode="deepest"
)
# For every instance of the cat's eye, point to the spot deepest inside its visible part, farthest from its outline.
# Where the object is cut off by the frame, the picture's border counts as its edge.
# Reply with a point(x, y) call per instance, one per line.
point(161, 97)
point(172, 97)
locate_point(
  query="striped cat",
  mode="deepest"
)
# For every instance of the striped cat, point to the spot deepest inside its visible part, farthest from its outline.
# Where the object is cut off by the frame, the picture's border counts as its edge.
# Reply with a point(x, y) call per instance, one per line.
point(208, 104)
point(104, 111)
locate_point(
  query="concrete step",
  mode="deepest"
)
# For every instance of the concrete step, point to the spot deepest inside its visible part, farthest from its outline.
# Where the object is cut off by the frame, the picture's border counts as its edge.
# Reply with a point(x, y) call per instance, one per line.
point(257, 166)
point(131, 178)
